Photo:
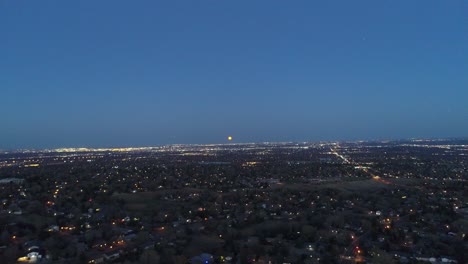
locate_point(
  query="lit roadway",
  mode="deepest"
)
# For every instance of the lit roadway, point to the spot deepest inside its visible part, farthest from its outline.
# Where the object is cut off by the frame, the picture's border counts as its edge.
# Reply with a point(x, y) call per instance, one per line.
point(365, 169)
point(355, 243)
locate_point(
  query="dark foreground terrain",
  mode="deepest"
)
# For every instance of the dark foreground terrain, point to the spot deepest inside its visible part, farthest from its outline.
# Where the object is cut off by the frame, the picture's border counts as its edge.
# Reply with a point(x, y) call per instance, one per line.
point(347, 202)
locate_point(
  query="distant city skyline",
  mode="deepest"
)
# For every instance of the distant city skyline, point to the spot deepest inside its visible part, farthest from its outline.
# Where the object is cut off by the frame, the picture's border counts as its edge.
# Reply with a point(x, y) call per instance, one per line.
point(129, 148)
point(122, 74)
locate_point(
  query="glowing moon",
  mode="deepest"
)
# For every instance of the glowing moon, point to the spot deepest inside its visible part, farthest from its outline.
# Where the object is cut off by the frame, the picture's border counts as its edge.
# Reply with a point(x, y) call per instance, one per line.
point(229, 138)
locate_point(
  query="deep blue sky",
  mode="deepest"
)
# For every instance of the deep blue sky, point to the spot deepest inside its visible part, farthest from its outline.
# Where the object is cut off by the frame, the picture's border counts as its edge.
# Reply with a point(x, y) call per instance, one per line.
point(137, 73)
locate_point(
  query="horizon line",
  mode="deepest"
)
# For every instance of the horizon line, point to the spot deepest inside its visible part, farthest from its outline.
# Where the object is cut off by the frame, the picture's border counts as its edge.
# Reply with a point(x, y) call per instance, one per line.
point(133, 148)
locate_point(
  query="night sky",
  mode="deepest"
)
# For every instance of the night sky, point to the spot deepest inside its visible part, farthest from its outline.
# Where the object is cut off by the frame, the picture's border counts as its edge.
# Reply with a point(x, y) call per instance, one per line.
point(144, 73)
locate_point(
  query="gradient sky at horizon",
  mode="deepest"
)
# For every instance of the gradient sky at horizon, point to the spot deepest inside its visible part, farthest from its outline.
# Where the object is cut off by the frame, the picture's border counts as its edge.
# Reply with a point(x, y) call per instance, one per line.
point(140, 73)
